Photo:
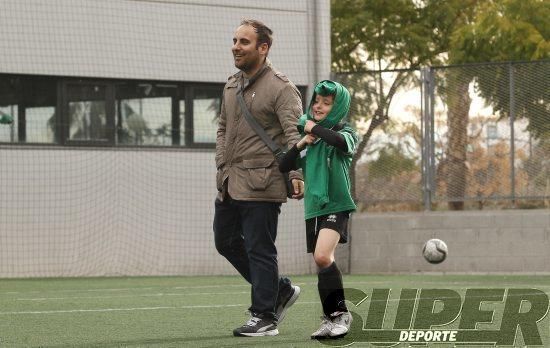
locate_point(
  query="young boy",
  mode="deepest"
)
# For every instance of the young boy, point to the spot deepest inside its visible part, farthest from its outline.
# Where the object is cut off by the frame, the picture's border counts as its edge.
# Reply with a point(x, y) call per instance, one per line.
point(325, 153)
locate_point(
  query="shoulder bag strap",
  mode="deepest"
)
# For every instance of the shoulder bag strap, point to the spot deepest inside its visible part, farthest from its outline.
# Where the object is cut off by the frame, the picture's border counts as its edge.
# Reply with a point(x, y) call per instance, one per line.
point(277, 151)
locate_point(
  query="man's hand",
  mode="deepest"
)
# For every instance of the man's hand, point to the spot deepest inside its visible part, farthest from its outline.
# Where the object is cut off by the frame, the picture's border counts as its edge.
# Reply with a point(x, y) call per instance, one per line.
point(308, 139)
point(298, 189)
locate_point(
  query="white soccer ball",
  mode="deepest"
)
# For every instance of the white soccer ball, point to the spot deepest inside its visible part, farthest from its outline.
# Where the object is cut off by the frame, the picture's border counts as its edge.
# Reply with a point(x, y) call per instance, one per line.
point(435, 251)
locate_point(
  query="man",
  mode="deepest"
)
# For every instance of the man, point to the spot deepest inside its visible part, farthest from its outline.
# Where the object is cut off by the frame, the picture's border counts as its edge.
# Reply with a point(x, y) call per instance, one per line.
point(250, 186)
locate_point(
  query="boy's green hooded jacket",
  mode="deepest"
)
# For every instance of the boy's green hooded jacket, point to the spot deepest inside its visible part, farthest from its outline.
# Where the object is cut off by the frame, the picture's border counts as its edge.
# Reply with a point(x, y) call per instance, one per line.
point(326, 169)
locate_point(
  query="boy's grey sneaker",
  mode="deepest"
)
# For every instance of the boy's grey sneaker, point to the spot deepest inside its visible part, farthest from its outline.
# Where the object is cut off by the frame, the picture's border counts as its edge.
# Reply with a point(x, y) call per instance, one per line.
point(285, 301)
point(335, 326)
point(341, 322)
point(257, 327)
point(324, 329)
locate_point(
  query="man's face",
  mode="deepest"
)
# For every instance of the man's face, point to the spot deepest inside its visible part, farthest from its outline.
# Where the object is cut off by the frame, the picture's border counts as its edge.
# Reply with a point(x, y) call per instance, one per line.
point(245, 54)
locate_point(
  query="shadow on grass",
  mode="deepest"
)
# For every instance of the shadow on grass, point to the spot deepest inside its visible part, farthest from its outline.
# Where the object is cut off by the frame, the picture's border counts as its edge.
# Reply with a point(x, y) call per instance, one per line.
point(212, 341)
point(172, 342)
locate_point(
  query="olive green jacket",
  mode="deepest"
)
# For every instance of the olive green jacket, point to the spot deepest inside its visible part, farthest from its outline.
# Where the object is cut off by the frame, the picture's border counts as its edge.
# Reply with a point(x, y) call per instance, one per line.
point(247, 169)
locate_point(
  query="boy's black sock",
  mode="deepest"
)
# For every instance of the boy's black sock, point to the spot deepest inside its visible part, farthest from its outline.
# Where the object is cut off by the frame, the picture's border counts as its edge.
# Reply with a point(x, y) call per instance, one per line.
point(331, 290)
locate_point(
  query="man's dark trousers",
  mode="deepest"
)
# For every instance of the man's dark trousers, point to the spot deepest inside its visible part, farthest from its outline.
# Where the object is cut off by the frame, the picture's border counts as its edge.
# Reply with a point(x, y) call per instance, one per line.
point(245, 233)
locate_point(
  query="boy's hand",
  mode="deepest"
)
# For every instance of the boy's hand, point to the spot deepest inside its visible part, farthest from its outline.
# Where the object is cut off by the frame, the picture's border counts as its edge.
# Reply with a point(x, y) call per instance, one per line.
point(309, 125)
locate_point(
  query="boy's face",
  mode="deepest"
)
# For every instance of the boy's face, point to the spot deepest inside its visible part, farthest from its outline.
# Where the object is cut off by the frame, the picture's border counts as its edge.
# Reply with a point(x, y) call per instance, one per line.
point(322, 106)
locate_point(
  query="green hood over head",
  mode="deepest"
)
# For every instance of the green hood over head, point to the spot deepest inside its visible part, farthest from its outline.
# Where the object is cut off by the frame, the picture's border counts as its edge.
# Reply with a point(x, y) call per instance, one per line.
point(316, 168)
point(340, 108)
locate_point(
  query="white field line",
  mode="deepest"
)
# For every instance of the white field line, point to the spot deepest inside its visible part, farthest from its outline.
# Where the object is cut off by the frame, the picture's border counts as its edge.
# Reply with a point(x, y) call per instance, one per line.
point(128, 289)
point(416, 283)
point(218, 286)
point(135, 309)
point(161, 294)
point(184, 307)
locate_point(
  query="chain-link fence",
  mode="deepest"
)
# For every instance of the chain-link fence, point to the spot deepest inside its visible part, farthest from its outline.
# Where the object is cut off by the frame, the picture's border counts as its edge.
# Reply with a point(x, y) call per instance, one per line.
point(457, 137)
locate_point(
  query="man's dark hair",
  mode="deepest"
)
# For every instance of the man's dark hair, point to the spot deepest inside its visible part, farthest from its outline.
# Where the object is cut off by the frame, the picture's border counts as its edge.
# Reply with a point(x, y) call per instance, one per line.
point(264, 33)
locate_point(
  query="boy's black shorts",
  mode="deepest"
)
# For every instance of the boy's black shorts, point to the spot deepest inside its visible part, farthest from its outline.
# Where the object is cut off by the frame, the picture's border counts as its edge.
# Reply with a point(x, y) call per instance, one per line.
point(336, 221)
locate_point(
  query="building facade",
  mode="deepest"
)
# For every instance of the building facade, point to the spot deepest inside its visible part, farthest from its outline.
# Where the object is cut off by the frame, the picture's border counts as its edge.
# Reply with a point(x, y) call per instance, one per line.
point(108, 165)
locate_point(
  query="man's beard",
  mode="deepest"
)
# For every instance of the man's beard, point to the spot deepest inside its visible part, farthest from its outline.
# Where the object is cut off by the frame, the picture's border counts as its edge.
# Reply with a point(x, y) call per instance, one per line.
point(247, 64)
point(244, 66)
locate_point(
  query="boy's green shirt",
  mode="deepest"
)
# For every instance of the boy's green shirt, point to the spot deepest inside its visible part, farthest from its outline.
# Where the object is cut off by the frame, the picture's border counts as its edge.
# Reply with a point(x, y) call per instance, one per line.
point(326, 168)
point(339, 184)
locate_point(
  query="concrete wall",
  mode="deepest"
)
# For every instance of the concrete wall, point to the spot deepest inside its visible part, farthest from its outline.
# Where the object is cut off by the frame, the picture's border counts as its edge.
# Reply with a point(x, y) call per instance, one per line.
point(94, 212)
point(511, 241)
point(180, 40)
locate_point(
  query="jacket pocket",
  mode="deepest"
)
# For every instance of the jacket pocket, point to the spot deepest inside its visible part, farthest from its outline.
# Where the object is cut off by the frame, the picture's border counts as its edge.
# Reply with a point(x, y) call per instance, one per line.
point(258, 172)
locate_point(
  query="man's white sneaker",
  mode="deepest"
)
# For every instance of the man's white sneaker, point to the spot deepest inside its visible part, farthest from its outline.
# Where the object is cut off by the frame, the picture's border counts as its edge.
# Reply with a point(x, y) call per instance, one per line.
point(257, 327)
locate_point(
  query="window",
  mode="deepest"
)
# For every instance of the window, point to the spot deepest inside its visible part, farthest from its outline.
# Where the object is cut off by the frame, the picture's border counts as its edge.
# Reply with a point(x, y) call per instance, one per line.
point(109, 112)
point(144, 114)
point(40, 124)
point(87, 113)
point(31, 103)
point(206, 108)
point(8, 132)
point(139, 113)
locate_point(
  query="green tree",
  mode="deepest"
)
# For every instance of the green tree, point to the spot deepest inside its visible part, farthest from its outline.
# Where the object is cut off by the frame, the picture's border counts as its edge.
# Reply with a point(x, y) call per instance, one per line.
point(511, 30)
point(391, 161)
point(369, 35)
point(500, 30)
point(379, 34)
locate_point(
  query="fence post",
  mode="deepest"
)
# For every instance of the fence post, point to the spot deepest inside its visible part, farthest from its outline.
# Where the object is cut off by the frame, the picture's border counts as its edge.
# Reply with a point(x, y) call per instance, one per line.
point(512, 135)
point(426, 124)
